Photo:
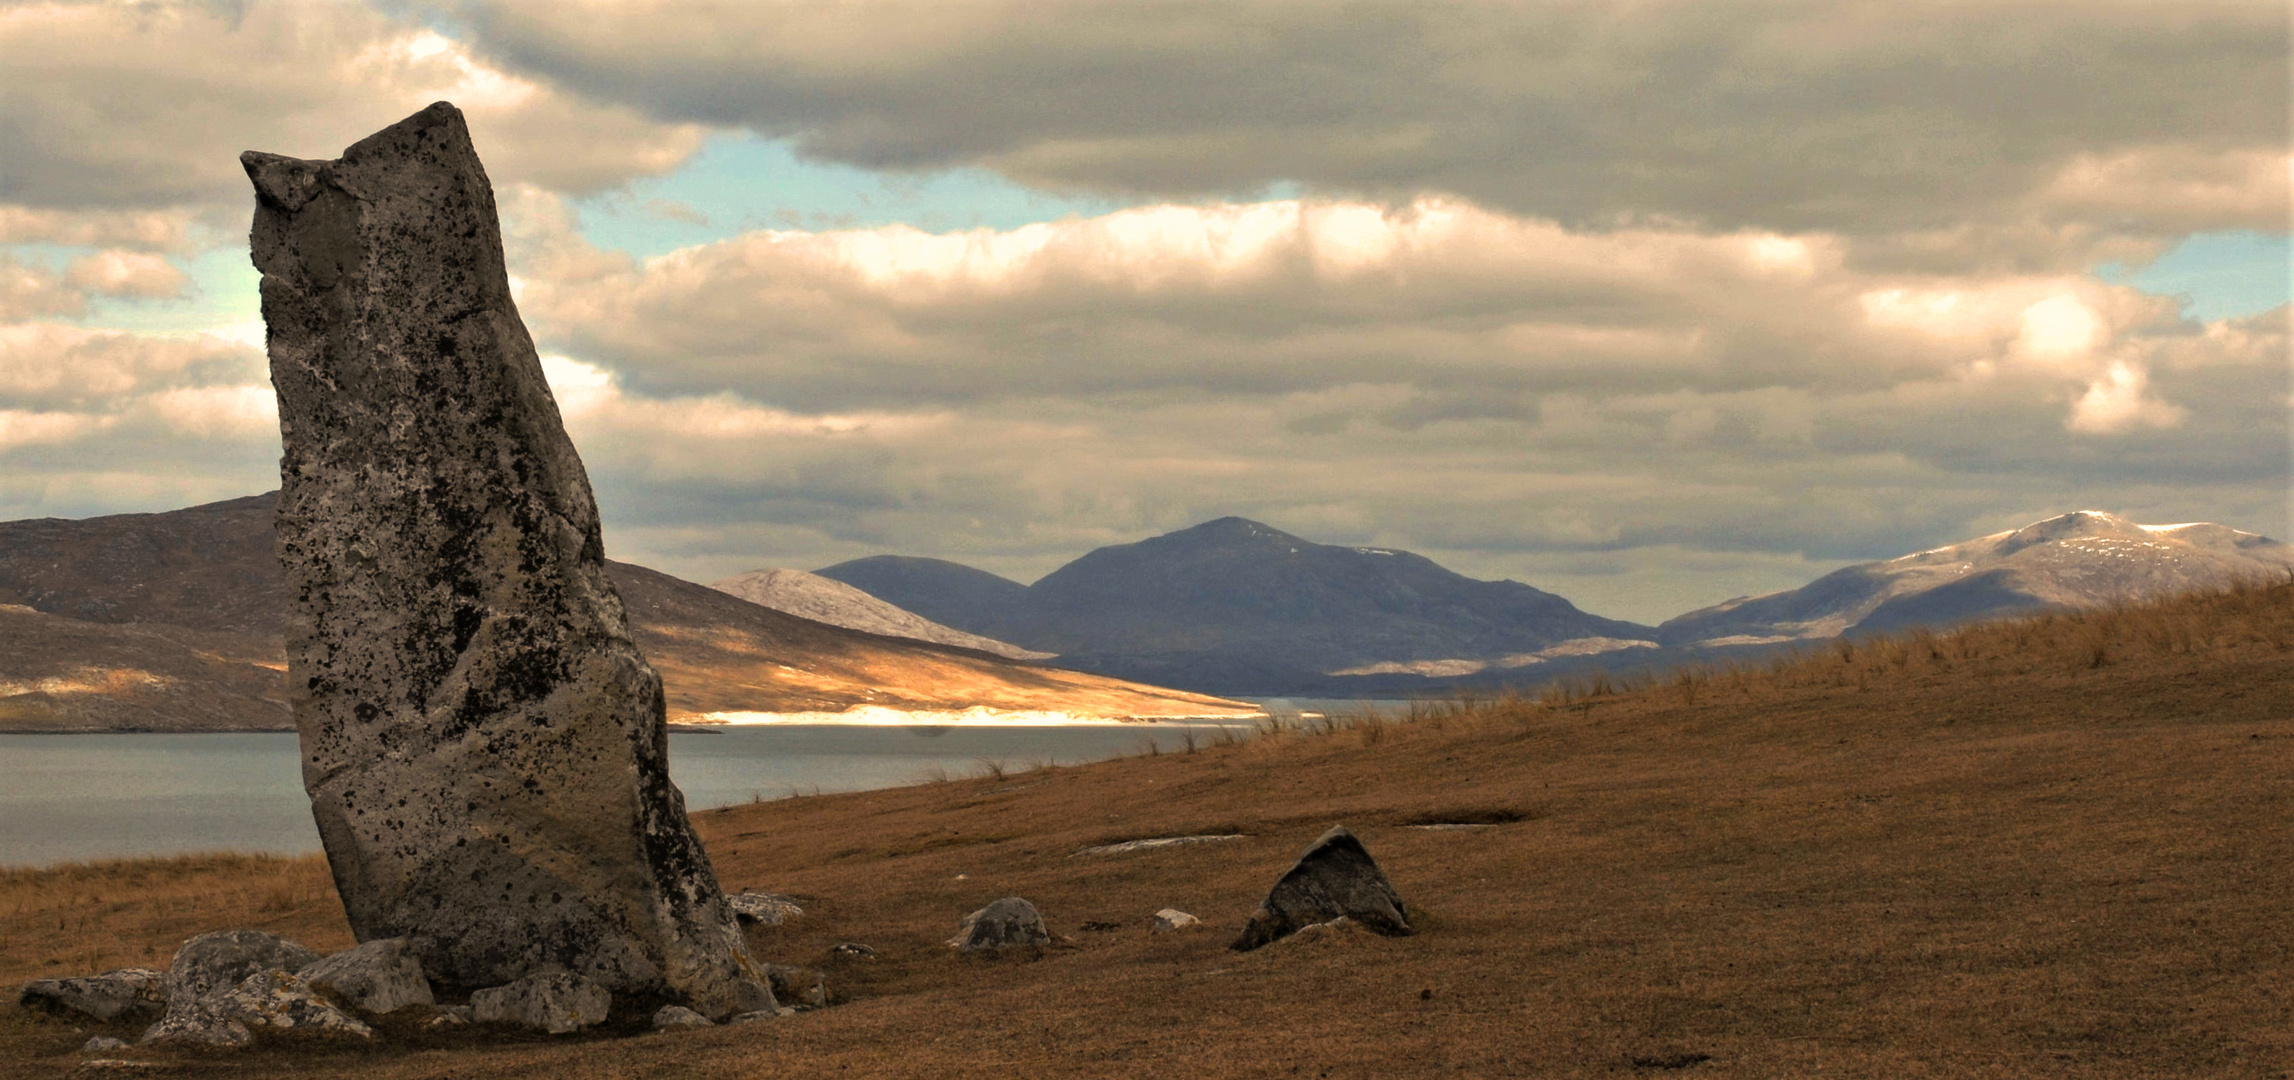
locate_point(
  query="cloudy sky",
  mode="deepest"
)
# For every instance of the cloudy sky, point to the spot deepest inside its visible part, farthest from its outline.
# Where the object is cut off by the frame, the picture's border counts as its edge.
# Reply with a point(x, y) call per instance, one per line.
point(1649, 304)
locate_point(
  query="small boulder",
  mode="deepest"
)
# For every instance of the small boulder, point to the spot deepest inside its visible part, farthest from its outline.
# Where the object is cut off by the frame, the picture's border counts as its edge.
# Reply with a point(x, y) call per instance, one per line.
point(767, 908)
point(377, 978)
point(1175, 919)
point(102, 1044)
point(282, 1002)
point(1005, 923)
point(678, 1018)
point(852, 950)
point(125, 994)
point(801, 987)
point(212, 963)
point(449, 1016)
point(761, 1014)
point(1336, 878)
point(206, 968)
point(555, 1001)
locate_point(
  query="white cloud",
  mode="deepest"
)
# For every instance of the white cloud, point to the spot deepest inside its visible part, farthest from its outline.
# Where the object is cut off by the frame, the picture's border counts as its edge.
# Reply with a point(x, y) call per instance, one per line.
point(2120, 401)
point(1870, 118)
point(116, 112)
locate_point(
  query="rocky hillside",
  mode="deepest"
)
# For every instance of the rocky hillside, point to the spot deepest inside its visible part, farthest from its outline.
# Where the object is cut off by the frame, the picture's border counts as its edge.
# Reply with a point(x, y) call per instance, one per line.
point(825, 600)
point(2086, 559)
point(1234, 606)
point(172, 622)
point(948, 593)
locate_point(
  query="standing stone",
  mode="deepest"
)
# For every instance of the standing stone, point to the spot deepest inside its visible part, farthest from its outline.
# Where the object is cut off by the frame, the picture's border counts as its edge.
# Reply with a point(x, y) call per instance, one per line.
point(483, 745)
point(1335, 879)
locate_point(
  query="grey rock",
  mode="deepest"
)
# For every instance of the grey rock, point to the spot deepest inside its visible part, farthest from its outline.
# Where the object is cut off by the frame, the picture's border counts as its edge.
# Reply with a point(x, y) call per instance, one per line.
point(852, 950)
point(377, 978)
point(1335, 878)
point(483, 745)
point(450, 1016)
point(796, 986)
point(767, 908)
point(125, 994)
point(761, 1014)
point(677, 1018)
point(1005, 923)
point(214, 962)
point(556, 1002)
point(1175, 919)
point(102, 1044)
point(1152, 843)
point(196, 1027)
point(283, 1003)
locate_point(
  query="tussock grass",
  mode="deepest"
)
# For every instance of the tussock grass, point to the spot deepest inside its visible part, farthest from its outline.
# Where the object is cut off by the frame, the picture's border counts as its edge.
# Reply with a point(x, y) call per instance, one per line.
point(2051, 847)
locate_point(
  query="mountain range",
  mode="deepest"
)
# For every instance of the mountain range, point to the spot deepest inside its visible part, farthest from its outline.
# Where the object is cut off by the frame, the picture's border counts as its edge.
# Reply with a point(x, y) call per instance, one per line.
point(2084, 559)
point(1237, 607)
point(174, 621)
point(1233, 606)
point(822, 600)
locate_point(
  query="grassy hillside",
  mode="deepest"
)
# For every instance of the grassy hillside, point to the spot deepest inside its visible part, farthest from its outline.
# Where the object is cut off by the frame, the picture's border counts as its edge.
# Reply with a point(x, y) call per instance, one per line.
point(2055, 847)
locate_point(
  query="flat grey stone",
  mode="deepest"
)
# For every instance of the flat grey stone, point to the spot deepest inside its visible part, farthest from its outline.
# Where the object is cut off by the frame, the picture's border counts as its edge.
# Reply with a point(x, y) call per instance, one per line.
point(124, 994)
point(1007, 922)
point(1336, 878)
point(678, 1017)
point(556, 1002)
point(483, 745)
point(1152, 843)
point(376, 978)
point(102, 1044)
point(1175, 919)
point(767, 908)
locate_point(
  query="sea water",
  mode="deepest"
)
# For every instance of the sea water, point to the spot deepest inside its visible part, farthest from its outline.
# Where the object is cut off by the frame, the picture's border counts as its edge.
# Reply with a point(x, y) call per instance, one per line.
point(79, 797)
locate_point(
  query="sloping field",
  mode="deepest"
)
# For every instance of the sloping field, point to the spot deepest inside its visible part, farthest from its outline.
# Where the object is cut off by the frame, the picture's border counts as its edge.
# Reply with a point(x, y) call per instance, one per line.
point(2053, 848)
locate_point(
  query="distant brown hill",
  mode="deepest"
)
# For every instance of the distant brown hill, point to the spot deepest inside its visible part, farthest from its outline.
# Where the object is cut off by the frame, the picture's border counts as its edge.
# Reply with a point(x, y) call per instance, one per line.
point(172, 621)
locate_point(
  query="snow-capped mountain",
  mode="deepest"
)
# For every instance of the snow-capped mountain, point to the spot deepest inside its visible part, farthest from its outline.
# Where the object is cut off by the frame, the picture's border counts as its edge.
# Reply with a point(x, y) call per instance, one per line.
point(2084, 559)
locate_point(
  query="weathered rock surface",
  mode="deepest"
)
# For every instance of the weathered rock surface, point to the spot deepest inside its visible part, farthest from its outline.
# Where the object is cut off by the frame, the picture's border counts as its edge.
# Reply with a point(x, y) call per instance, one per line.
point(1336, 878)
point(677, 1018)
point(102, 1044)
point(377, 978)
point(766, 908)
point(214, 962)
point(852, 950)
point(555, 1001)
point(1005, 923)
point(125, 994)
point(1175, 919)
point(283, 1003)
point(483, 745)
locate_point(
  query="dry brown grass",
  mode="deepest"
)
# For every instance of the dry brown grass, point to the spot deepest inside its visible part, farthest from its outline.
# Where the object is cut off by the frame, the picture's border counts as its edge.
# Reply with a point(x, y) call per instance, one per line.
point(2048, 848)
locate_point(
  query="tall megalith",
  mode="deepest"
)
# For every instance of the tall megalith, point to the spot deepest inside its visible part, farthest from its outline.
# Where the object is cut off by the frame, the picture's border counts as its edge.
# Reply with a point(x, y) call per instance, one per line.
point(484, 746)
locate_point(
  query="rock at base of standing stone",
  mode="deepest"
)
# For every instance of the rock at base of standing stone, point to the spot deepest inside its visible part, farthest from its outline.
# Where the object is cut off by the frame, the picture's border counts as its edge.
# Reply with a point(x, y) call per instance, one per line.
point(211, 963)
point(484, 746)
point(678, 1018)
point(124, 994)
point(1175, 919)
point(102, 1044)
point(1003, 924)
point(283, 1003)
point(766, 908)
point(377, 978)
point(204, 969)
point(1336, 878)
point(556, 1002)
